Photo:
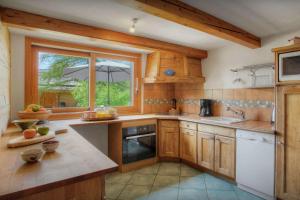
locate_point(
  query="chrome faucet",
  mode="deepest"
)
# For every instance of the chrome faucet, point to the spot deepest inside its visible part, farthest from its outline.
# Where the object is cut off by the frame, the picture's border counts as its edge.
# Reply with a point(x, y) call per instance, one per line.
point(237, 112)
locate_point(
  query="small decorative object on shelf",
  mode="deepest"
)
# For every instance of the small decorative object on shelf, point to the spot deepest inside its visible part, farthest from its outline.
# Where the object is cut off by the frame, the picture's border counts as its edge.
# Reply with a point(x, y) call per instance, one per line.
point(294, 40)
point(169, 72)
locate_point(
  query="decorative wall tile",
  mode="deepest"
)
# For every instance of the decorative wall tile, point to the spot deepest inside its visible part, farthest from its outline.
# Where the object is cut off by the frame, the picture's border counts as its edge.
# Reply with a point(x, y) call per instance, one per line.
point(157, 101)
point(247, 103)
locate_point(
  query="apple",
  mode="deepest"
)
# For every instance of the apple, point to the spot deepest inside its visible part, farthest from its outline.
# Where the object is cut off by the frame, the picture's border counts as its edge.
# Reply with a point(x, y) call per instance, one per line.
point(29, 133)
point(43, 130)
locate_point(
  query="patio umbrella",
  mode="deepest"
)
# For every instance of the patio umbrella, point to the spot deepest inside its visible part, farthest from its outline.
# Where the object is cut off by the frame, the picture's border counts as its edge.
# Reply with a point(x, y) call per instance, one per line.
point(106, 71)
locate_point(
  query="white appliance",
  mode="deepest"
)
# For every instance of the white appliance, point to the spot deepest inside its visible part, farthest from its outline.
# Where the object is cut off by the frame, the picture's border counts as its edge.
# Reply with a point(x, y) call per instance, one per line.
point(289, 69)
point(255, 163)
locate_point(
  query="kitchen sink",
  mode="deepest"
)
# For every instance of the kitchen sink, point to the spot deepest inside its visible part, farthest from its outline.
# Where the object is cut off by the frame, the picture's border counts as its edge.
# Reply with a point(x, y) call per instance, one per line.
point(222, 120)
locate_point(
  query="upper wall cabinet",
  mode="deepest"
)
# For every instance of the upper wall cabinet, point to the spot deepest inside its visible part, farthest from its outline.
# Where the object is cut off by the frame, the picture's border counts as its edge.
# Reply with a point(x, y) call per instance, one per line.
point(170, 67)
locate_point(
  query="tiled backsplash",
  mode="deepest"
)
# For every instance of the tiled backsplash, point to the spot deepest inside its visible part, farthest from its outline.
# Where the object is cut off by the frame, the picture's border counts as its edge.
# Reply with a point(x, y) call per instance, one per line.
point(157, 97)
point(257, 103)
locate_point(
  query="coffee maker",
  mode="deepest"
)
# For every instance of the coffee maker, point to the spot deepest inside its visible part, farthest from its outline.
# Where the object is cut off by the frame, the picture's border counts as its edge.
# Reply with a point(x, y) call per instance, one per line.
point(205, 107)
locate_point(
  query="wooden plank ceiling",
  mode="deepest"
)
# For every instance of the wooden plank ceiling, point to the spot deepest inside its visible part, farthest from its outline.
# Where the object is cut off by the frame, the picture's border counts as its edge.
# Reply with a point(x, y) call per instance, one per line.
point(179, 12)
point(25, 19)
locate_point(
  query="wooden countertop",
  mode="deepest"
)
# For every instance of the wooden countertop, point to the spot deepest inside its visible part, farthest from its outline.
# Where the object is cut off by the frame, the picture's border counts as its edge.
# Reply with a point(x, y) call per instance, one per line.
point(258, 126)
point(75, 160)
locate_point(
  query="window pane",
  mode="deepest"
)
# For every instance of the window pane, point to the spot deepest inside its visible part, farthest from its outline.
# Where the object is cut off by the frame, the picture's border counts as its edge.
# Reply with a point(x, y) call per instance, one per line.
point(63, 80)
point(114, 82)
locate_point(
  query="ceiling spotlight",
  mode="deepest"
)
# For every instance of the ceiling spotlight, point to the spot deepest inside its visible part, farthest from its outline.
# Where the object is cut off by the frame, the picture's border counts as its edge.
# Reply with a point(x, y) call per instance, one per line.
point(132, 27)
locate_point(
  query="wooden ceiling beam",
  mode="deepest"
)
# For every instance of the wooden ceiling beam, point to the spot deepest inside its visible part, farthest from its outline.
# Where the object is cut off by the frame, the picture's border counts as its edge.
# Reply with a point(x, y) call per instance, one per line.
point(181, 13)
point(25, 19)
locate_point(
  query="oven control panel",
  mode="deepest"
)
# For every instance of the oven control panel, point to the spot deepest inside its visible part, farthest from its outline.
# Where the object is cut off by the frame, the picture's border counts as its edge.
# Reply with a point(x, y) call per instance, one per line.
point(139, 130)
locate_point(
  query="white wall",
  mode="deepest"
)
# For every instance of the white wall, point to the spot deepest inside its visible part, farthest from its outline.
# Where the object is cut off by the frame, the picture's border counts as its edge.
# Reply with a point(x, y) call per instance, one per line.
point(4, 77)
point(216, 68)
point(17, 71)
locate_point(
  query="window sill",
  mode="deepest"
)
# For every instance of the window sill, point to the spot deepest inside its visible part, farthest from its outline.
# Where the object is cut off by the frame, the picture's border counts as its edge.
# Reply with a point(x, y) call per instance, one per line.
point(65, 115)
point(77, 115)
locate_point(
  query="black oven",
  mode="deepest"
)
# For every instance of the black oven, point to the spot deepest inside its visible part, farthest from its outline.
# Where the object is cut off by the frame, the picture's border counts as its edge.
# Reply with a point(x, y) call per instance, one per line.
point(138, 143)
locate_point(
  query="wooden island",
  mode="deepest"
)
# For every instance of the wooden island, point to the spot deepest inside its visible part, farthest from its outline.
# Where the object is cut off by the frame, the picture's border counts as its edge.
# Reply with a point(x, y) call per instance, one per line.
point(75, 171)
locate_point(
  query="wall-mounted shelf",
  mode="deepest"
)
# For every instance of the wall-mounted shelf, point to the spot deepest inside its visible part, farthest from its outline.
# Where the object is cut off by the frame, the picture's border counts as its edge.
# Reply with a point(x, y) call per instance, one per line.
point(253, 67)
point(258, 78)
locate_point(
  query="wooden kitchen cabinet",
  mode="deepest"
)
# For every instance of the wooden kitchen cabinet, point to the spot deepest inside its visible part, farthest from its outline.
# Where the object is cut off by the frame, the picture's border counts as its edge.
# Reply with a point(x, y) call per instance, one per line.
point(288, 142)
point(188, 145)
point(225, 156)
point(206, 150)
point(169, 139)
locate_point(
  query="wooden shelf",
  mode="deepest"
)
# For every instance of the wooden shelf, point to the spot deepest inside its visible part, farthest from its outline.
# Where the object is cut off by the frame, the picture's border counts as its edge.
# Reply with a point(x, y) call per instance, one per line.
point(174, 80)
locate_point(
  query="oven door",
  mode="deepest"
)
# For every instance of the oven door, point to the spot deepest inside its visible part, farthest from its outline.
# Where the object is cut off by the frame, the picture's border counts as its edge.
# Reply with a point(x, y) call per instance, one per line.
point(289, 66)
point(139, 147)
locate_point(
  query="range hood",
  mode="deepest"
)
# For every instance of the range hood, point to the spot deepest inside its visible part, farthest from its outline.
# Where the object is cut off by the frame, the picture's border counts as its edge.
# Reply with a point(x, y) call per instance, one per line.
point(170, 67)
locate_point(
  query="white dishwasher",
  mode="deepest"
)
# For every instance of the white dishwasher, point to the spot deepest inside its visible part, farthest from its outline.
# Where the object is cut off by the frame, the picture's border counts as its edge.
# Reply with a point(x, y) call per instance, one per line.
point(255, 163)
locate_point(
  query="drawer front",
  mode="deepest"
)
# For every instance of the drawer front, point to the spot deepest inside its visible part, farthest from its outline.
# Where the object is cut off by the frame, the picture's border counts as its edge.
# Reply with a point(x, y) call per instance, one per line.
point(229, 132)
point(188, 131)
point(169, 123)
point(188, 125)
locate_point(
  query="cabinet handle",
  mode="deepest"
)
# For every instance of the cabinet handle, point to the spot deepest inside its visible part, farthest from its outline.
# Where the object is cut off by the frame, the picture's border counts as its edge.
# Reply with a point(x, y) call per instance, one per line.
point(136, 85)
point(280, 143)
point(188, 133)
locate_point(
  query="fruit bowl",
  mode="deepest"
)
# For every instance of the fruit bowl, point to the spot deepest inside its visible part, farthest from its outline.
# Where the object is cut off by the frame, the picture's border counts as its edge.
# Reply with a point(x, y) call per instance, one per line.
point(32, 155)
point(34, 115)
point(25, 123)
point(34, 111)
point(50, 146)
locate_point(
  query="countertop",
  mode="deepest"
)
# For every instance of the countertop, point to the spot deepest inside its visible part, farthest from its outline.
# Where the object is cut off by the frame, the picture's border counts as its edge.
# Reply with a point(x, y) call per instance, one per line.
point(75, 160)
point(258, 126)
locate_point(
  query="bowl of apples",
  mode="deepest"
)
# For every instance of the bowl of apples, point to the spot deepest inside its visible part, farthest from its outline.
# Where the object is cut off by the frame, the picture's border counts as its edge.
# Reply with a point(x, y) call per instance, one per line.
point(34, 111)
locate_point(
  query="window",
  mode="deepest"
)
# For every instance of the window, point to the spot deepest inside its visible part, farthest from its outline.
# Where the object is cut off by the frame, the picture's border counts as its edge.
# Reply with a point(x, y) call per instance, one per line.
point(65, 80)
point(114, 82)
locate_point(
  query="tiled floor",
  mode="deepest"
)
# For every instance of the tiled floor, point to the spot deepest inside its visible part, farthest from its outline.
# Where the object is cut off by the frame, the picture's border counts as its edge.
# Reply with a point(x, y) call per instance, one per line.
point(171, 181)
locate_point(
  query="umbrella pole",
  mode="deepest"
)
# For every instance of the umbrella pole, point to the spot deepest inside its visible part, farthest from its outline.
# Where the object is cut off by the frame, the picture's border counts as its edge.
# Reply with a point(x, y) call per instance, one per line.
point(108, 92)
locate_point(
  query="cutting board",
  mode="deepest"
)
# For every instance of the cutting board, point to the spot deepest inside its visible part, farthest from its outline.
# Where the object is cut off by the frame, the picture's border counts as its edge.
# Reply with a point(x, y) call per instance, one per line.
point(21, 141)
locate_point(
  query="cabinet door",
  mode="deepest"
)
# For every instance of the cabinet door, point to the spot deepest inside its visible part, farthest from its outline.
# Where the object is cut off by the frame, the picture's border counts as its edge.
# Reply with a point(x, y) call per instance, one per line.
point(225, 156)
point(192, 67)
point(206, 150)
point(288, 142)
point(169, 142)
point(188, 145)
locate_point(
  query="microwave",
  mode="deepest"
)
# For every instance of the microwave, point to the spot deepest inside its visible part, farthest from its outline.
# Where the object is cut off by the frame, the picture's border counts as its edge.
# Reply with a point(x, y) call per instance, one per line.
point(289, 66)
